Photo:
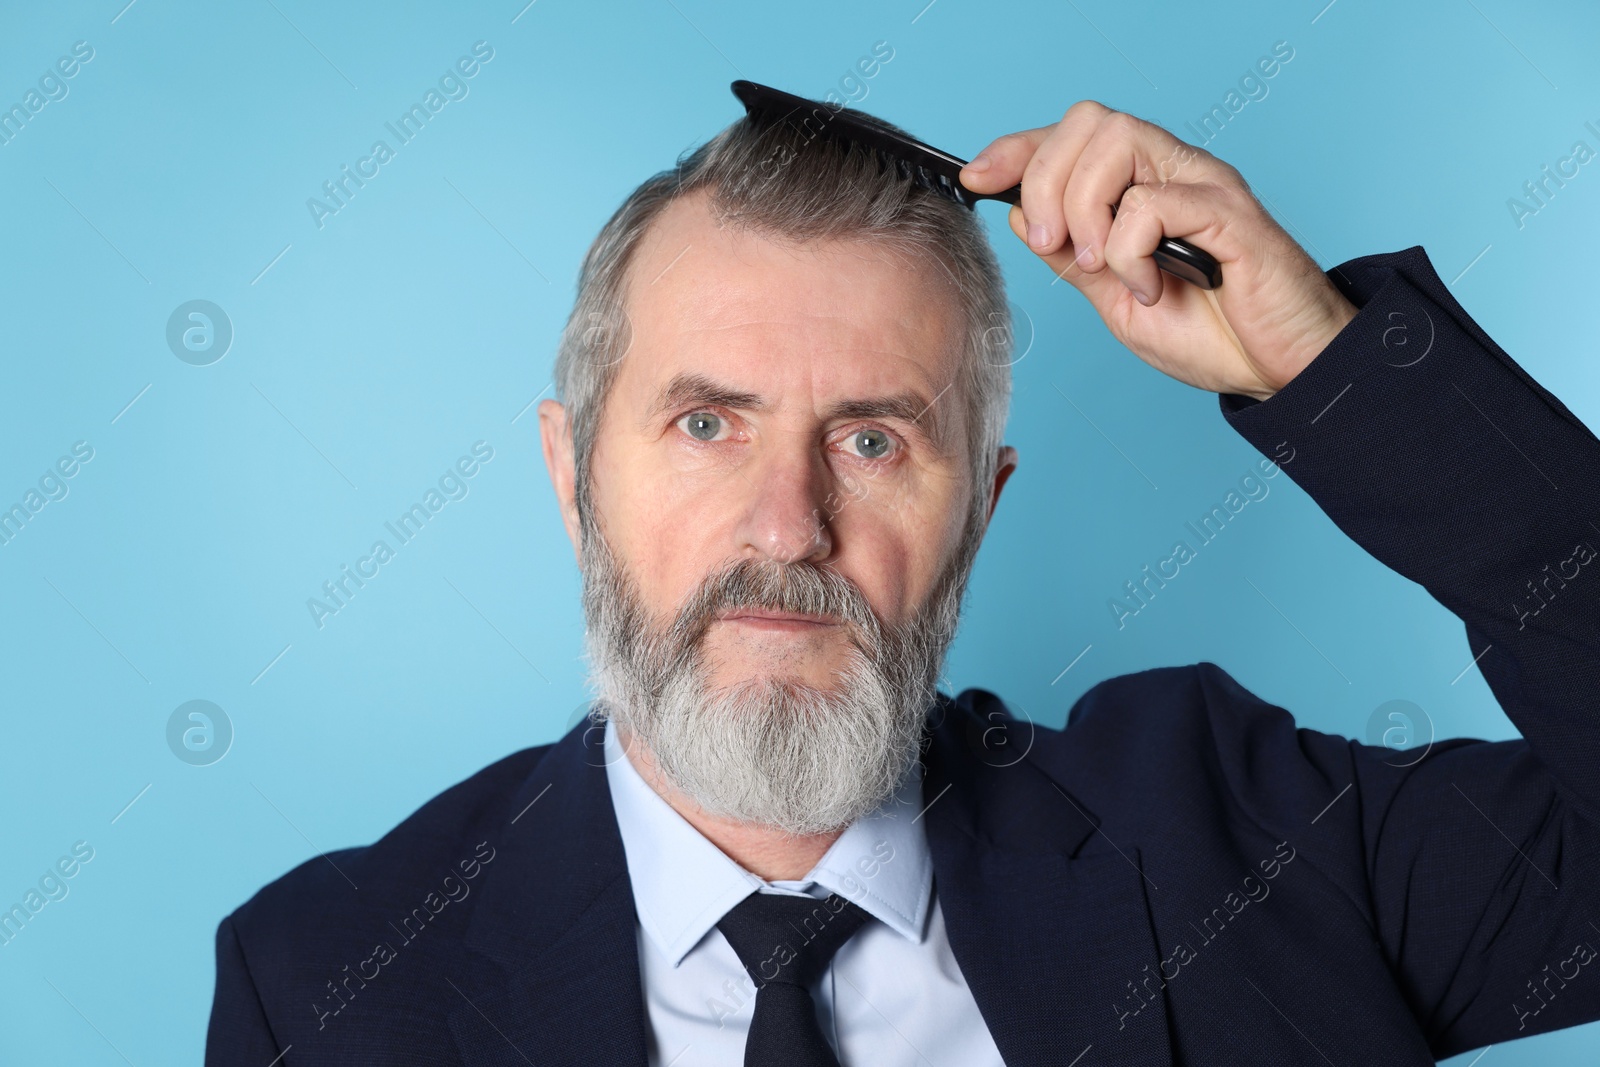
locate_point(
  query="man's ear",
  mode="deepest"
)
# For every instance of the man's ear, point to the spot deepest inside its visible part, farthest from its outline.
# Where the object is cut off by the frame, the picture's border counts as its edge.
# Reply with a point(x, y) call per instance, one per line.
point(555, 436)
point(1002, 474)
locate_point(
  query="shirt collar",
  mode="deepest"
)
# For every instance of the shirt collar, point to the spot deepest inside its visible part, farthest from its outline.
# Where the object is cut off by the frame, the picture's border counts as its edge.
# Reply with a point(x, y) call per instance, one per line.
point(683, 884)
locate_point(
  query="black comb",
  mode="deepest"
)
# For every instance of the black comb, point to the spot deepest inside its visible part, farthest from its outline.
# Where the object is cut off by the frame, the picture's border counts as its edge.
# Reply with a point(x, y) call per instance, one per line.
point(930, 168)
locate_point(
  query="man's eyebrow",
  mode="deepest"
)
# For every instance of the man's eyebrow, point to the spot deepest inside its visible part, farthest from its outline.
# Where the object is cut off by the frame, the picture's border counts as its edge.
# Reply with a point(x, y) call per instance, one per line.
point(687, 389)
point(908, 407)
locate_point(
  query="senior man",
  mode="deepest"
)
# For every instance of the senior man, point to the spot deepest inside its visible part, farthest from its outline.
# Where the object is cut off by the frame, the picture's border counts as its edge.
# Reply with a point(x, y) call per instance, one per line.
point(777, 447)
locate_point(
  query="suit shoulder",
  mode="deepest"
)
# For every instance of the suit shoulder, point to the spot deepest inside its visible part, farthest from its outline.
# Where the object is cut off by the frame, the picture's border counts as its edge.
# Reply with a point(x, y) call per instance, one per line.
point(409, 860)
point(1126, 698)
point(1196, 734)
point(1165, 697)
point(1176, 707)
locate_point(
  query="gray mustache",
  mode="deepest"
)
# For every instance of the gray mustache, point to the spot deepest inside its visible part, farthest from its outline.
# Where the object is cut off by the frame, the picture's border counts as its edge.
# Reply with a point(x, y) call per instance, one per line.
point(801, 588)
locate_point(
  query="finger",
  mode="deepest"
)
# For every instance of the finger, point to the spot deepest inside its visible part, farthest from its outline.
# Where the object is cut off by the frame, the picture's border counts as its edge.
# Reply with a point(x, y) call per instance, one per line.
point(1104, 170)
point(1000, 165)
point(1126, 150)
point(1045, 179)
point(1102, 289)
point(1147, 213)
point(1131, 241)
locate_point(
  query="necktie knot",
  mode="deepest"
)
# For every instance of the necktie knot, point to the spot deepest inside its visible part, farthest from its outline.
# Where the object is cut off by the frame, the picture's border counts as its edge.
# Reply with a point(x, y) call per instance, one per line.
point(789, 940)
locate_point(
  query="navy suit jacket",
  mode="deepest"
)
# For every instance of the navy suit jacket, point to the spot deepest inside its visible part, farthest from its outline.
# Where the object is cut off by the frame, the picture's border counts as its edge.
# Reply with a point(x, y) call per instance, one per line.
point(1179, 876)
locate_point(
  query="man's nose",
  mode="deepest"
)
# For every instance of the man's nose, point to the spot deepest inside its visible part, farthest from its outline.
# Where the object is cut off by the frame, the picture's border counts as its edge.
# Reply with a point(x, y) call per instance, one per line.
point(787, 518)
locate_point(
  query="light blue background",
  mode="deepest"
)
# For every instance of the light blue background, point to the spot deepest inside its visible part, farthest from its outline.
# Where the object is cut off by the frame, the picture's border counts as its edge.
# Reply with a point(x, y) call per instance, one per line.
point(422, 318)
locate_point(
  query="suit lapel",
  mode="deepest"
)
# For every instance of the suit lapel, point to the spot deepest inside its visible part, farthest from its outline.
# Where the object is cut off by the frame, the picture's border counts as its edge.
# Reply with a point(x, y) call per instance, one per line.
point(1048, 919)
point(552, 973)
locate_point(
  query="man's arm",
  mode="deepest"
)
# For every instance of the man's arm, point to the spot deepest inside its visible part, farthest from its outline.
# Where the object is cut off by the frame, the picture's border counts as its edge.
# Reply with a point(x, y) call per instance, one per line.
point(1431, 448)
point(1428, 445)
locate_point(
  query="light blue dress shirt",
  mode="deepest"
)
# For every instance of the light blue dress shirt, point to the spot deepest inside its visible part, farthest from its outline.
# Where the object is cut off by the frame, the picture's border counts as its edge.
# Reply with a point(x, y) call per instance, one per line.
point(893, 994)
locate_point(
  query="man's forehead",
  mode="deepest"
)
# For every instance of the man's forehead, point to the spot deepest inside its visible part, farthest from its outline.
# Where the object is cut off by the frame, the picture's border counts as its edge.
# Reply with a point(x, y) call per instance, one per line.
point(752, 312)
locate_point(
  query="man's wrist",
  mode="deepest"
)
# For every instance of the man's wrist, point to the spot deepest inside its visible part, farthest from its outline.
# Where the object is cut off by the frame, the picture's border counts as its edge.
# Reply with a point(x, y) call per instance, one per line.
point(1340, 313)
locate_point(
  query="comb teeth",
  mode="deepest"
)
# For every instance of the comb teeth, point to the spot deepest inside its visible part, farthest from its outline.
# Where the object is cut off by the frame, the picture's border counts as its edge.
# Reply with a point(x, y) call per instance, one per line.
point(905, 156)
point(933, 182)
point(936, 183)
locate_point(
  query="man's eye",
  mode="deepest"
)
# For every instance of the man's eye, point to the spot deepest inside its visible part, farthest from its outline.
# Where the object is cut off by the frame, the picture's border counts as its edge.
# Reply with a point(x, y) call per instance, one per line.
point(870, 444)
point(702, 426)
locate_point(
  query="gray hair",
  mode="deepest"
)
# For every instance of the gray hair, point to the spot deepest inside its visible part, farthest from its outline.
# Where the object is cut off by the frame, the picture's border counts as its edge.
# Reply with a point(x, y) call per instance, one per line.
point(786, 181)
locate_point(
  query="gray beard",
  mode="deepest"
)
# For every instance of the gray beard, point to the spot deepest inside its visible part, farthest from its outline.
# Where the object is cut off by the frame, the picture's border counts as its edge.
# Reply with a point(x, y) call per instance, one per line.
point(768, 751)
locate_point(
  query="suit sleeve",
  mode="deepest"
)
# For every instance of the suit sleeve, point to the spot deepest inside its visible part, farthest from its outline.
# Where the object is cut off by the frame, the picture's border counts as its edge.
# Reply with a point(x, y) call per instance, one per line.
point(1431, 448)
point(238, 1032)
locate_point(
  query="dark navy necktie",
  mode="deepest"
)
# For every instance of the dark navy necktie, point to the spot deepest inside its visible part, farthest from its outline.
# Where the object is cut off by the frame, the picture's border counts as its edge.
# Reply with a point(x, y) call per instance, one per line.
point(786, 942)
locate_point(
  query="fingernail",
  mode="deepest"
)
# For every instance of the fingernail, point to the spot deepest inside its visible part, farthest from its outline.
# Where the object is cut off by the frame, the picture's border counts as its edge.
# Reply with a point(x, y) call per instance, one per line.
point(1038, 236)
point(981, 163)
point(1140, 295)
point(1086, 257)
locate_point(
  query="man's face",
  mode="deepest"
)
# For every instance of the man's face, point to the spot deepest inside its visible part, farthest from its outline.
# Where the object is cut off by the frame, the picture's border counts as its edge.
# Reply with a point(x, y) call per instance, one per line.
point(785, 403)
